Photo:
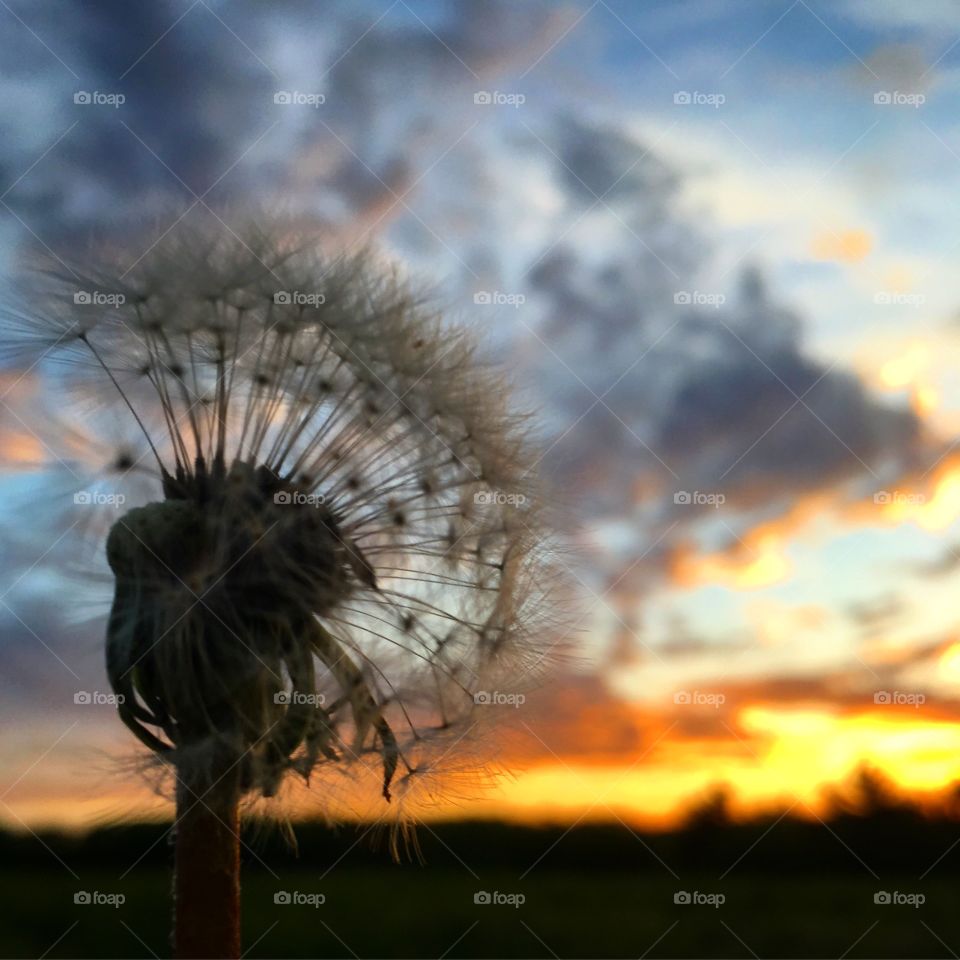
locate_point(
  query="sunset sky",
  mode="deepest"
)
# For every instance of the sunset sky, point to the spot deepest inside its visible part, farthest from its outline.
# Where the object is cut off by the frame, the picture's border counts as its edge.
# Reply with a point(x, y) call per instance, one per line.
point(716, 246)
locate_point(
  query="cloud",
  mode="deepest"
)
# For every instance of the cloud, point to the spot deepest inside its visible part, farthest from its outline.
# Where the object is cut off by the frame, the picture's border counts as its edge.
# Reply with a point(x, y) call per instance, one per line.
point(704, 389)
point(933, 16)
point(946, 563)
point(198, 116)
point(900, 66)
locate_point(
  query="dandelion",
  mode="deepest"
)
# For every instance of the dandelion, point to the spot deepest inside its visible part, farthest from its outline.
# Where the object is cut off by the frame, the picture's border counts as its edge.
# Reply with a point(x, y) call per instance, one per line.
point(340, 546)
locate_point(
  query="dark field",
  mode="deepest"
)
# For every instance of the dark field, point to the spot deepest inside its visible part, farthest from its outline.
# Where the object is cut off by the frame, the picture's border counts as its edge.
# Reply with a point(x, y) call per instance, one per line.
point(791, 889)
point(430, 913)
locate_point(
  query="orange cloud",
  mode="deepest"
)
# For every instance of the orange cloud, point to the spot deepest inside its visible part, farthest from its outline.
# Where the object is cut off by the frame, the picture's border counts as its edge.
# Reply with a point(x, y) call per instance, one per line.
point(19, 449)
point(847, 246)
point(932, 503)
point(758, 560)
point(759, 557)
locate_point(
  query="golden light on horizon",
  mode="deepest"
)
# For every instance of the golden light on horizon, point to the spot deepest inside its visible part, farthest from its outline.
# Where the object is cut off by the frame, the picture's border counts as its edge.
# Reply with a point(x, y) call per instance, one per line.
point(782, 755)
point(768, 756)
point(819, 745)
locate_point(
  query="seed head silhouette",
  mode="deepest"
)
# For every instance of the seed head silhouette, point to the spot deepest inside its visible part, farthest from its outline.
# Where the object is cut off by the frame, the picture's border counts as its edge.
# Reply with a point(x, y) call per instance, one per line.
point(344, 545)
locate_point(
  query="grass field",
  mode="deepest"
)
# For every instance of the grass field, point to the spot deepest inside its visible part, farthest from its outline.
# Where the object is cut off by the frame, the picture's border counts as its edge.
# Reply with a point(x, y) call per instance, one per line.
point(788, 888)
point(424, 912)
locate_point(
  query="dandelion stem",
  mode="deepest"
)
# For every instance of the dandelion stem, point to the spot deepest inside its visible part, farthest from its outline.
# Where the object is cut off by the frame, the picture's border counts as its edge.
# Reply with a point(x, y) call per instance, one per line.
point(207, 870)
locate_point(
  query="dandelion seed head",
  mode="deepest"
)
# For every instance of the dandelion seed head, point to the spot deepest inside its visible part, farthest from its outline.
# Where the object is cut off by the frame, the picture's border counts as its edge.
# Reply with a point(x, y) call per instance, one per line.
point(343, 543)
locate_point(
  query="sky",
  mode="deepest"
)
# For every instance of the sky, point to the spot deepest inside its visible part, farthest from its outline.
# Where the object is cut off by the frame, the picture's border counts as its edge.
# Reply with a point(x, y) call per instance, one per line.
point(714, 244)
